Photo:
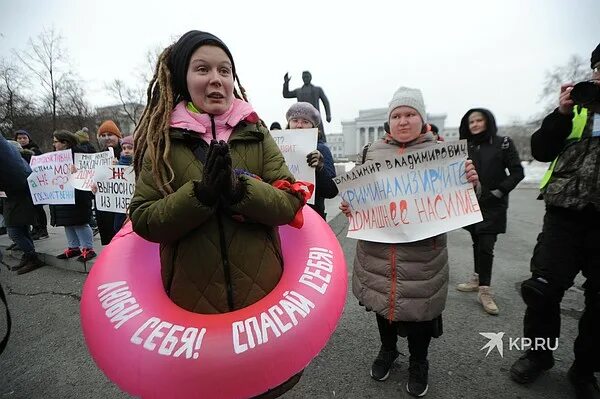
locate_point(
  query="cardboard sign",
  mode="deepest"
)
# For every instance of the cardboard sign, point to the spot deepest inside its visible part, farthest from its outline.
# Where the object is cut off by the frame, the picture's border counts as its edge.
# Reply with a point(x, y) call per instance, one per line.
point(86, 165)
point(116, 185)
point(49, 180)
point(295, 144)
point(416, 195)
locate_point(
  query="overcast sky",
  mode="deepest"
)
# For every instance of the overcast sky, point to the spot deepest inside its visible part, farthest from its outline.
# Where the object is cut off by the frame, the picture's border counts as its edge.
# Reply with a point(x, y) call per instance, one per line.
point(461, 54)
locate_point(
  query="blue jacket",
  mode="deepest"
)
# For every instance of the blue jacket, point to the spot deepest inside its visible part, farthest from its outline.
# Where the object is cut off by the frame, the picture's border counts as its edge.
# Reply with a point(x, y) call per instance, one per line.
point(18, 207)
point(325, 187)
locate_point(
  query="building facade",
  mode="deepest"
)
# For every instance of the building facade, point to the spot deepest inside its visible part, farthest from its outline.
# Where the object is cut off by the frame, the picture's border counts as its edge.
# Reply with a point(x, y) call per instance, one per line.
point(121, 115)
point(335, 142)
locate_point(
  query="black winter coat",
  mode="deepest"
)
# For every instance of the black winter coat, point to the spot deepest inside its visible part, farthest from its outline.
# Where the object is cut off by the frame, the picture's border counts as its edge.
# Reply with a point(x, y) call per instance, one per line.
point(73, 215)
point(33, 147)
point(492, 156)
point(87, 147)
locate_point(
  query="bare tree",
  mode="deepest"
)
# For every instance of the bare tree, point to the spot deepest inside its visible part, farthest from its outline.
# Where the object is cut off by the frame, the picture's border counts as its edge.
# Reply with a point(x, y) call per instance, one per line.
point(131, 99)
point(72, 103)
point(47, 60)
point(146, 71)
point(14, 104)
point(575, 70)
point(132, 96)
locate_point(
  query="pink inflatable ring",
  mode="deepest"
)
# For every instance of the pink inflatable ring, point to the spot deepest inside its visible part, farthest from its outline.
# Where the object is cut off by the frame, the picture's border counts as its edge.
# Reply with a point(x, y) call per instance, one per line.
point(152, 348)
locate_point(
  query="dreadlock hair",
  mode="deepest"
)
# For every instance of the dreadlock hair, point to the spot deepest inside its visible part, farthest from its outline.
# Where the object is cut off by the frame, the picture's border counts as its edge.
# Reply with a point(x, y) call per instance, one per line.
point(151, 136)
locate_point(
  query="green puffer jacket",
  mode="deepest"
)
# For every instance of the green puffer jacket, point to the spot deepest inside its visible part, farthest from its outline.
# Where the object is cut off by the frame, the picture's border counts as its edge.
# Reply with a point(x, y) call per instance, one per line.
point(198, 242)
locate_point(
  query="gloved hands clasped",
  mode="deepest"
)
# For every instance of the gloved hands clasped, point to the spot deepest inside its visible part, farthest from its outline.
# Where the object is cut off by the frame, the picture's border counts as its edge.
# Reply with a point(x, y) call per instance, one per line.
point(218, 177)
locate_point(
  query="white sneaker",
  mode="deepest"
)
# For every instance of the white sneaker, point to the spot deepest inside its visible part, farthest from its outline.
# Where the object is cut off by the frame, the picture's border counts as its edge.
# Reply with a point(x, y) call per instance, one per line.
point(470, 286)
point(487, 300)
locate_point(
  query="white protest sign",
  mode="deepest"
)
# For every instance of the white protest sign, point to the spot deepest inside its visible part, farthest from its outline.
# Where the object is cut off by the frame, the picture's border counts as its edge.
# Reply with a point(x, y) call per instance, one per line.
point(116, 185)
point(49, 179)
point(86, 165)
point(418, 194)
point(295, 144)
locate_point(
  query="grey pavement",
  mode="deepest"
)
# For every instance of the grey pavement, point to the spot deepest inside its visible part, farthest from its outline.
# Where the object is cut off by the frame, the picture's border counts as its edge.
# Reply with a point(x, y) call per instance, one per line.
point(47, 358)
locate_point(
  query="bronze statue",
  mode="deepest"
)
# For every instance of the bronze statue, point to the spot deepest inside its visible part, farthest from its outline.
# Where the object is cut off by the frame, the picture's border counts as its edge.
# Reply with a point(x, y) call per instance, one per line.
point(307, 93)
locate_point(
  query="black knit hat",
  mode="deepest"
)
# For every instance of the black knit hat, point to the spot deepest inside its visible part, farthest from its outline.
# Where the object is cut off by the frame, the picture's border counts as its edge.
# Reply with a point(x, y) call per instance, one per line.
point(595, 56)
point(22, 131)
point(181, 53)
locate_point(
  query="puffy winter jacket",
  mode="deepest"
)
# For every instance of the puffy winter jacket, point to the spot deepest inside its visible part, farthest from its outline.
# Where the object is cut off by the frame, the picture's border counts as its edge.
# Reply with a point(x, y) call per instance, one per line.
point(407, 281)
point(207, 251)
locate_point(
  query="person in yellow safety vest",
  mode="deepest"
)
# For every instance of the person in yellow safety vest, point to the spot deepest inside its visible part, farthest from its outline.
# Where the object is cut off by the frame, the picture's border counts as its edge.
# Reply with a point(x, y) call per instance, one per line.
point(570, 238)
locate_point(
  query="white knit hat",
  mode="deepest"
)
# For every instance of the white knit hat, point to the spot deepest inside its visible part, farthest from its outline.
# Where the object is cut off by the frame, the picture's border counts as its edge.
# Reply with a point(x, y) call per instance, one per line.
point(405, 96)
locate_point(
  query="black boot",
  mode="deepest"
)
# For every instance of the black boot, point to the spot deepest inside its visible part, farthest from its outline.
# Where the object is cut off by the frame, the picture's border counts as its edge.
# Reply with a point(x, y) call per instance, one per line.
point(380, 370)
point(22, 262)
point(584, 382)
point(34, 262)
point(418, 378)
point(40, 234)
point(529, 366)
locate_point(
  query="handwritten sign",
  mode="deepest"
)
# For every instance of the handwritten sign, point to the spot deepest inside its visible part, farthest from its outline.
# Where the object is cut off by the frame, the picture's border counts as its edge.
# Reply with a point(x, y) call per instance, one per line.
point(86, 165)
point(49, 180)
point(295, 144)
point(116, 185)
point(418, 194)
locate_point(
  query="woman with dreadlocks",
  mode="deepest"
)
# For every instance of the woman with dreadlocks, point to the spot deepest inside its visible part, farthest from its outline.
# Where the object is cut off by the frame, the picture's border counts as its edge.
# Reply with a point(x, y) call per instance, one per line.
point(212, 185)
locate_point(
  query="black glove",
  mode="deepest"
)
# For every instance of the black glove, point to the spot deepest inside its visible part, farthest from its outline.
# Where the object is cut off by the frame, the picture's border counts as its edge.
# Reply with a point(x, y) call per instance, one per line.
point(233, 190)
point(213, 176)
point(315, 159)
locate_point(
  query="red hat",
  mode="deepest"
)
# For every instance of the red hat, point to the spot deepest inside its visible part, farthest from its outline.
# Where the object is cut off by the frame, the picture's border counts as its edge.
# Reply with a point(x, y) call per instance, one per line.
point(109, 127)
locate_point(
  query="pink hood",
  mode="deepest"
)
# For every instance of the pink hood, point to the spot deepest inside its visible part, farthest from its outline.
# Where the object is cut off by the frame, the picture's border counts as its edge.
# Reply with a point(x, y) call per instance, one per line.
point(182, 118)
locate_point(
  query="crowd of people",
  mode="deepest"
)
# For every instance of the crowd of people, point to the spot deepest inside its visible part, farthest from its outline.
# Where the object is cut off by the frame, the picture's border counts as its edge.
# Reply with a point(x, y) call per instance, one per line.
point(213, 185)
point(26, 223)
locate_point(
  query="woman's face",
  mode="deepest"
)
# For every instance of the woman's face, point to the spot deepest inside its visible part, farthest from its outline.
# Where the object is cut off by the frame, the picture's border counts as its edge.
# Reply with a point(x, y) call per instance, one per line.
point(477, 123)
point(127, 150)
point(300, 123)
point(210, 80)
point(59, 145)
point(405, 124)
point(22, 139)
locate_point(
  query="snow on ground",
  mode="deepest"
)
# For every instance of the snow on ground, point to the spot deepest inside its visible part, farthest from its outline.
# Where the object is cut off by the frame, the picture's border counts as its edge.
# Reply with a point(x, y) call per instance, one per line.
point(534, 171)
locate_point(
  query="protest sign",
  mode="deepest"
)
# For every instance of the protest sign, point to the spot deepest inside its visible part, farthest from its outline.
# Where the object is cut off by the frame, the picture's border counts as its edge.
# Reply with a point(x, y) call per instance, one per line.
point(49, 179)
point(295, 144)
point(416, 195)
point(86, 165)
point(116, 185)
